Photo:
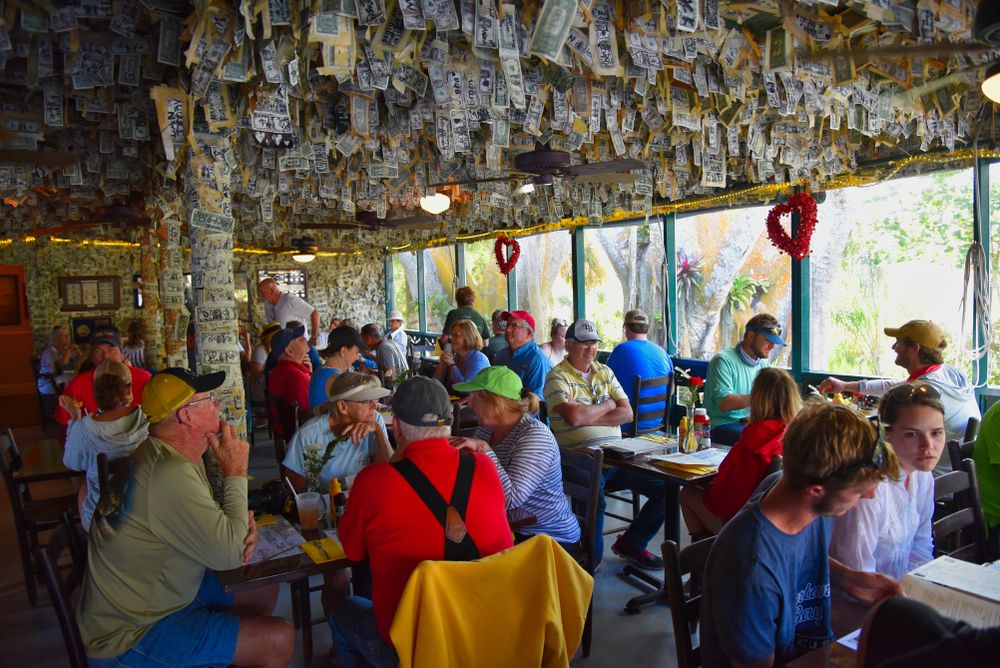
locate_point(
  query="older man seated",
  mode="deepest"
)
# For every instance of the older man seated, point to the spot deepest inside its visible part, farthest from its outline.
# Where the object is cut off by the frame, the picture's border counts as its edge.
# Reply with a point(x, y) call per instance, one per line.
point(290, 378)
point(149, 597)
point(396, 518)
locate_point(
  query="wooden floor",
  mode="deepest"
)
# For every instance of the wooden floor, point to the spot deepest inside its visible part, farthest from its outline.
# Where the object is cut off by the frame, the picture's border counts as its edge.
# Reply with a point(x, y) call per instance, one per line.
point(30, 637)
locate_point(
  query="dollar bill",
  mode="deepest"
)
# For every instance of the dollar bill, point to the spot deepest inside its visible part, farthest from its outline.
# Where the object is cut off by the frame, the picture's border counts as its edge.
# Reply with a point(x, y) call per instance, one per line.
point(443, 13)
point(439, 84)
point(63, 20)
point(213, 222)
point(370, 12)
point(603, 41)
point(510, 56)
point(552, 28)
point(580, 45)
point(413, 14)
point(359, 115)
point(688, 15)
point(485, 32)
point(412, 78)
point(169, 44)
point(443, 135)
point(460, 131)
point(52, 102)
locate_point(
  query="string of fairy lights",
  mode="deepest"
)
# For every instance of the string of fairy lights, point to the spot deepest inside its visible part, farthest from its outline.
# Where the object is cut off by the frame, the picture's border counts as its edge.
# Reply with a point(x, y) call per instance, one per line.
point(748, 195)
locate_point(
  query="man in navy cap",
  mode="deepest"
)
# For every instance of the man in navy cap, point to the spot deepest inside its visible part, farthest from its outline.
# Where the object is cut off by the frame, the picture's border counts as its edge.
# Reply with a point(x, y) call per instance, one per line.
point(290, 378)
point(731, 374)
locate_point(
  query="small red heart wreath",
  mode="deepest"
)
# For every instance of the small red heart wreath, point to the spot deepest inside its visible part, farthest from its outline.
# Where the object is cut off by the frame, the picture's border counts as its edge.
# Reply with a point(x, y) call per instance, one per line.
point(797, 246)
point(498, 252)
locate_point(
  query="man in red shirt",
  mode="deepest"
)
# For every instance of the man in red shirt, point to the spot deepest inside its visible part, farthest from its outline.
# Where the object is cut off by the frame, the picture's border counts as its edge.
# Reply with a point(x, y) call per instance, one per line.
point(106, 346)
point(289, 379)
point(458, 514)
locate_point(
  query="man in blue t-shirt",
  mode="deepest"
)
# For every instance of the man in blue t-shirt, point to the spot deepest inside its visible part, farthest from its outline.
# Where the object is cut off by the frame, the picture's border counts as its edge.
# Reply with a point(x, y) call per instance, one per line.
point(526, 358)
point(638, 356)
point(766, 597)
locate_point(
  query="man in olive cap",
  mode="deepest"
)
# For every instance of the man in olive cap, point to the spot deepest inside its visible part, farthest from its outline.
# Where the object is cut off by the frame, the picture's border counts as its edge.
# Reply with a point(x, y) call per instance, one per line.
point(398, 518)
point(919, 349)
point(150, 594)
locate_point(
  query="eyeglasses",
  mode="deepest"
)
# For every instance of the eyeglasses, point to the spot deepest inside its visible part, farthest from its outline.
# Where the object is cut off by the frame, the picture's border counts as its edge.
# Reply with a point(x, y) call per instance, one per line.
point(518, 324)
point(211, 397)
point(875, 462)
point(907, 391)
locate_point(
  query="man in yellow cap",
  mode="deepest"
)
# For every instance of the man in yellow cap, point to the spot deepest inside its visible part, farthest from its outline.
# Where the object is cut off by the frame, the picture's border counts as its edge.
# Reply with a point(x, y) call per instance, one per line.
point(919, 346)
point(149, 595)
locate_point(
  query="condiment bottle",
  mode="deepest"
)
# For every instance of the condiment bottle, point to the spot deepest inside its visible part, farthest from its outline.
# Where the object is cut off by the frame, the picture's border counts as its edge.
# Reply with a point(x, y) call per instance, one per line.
point(701, 427)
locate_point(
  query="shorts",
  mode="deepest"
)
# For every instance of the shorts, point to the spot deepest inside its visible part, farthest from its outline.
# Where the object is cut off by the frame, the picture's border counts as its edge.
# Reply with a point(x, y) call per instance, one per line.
point(203, 633)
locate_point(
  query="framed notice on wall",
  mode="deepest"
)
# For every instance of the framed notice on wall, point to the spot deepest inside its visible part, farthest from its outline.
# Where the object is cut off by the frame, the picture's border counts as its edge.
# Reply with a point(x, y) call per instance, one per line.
point(290, 280)
point(90, 293)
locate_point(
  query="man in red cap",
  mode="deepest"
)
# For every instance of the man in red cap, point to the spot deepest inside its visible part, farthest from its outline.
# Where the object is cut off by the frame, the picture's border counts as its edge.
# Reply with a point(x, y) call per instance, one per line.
point(523, 356)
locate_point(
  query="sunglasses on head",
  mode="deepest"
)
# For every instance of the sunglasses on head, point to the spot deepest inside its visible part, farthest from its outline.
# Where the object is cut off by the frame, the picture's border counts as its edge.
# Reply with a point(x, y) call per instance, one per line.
point(875, 461)
point(907, 391)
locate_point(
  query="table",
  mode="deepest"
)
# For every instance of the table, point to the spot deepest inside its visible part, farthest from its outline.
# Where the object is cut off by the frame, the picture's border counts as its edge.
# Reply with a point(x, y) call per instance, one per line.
point(673, 480)
point(42, 460)
point(295, 570)
point(846, 615)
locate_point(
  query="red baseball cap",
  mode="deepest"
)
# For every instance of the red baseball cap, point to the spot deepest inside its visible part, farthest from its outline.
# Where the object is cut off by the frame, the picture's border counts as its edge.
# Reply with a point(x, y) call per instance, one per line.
point(518, 315)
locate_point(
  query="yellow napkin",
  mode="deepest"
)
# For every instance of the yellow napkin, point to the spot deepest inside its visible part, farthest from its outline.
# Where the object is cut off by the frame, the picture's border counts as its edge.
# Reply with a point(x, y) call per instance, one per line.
point(658, 439)
point(264, 519)
point(324, 550)
point(693, 469)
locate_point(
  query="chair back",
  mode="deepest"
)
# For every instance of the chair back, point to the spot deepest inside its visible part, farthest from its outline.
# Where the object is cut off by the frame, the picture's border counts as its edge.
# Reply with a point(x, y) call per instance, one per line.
point(415, 354)
point(777, 462)
point(685, 607)
point(581, 474)
point(967, 515)
point(959, 451)
point(10, 464)
point(284, 416)
point(971, 429)
point(643, 410)
point(61, 589)
point(279, 452)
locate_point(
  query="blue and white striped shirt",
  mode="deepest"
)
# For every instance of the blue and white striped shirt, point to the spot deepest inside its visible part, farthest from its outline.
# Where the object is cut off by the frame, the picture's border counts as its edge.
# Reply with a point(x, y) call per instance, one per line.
point(527, 460)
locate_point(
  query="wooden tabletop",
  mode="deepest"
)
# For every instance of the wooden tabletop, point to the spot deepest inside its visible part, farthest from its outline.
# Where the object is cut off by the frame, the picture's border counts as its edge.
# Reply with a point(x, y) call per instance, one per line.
point(41, 460)
point(846, 615)
point(641, 463)
point(281, 569)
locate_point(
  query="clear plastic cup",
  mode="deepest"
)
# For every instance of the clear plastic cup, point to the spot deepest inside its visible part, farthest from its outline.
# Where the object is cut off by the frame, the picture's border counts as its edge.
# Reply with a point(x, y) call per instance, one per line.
point(309, 504)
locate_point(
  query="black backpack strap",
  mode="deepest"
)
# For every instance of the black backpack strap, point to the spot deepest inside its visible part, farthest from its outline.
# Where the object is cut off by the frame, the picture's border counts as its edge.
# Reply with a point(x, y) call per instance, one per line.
point(458, 546)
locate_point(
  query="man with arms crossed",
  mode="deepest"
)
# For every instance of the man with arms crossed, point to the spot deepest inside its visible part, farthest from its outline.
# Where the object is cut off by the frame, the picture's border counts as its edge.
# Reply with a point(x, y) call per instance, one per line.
point(284, 307)
point(767, 581)
point(149, 596)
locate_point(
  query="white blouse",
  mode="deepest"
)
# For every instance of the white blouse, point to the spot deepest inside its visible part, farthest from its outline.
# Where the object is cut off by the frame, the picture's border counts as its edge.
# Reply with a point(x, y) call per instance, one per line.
point(890, 534)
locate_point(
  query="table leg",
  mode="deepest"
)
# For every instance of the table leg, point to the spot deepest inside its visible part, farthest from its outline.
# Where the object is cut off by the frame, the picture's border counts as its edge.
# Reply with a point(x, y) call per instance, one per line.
point(671, 531)
point(300, 592)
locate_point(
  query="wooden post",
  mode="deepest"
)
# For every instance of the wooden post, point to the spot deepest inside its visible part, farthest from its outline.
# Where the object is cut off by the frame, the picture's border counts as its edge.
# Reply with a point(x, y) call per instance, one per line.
point(148, 263)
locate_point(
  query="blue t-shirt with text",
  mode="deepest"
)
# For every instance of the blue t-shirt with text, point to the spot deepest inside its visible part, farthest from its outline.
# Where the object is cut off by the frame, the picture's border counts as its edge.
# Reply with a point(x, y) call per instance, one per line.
point(765, 591)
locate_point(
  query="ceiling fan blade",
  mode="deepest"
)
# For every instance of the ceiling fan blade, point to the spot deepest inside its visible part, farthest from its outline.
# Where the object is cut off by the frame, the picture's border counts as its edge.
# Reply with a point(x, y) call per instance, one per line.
point(44, 158)
point(408, 220)
point(611, 166)
point(942, 48)
point(607, 177)
point(329, 226)
point(512, 176)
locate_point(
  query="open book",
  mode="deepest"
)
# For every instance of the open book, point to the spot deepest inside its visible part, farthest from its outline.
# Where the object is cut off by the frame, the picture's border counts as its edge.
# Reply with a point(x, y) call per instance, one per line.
point(957, 589)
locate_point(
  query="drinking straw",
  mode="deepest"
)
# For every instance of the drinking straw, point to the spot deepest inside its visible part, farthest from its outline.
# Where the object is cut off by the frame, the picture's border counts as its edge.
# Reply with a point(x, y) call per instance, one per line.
point(294, 493)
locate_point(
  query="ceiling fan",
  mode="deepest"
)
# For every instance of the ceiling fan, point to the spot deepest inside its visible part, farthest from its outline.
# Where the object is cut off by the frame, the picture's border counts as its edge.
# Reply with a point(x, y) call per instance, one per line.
point(542, 167)
point(985, 29)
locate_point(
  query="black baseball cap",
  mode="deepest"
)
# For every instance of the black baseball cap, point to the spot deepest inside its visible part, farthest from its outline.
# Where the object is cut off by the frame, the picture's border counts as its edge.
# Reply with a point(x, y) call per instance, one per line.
point(422, 402)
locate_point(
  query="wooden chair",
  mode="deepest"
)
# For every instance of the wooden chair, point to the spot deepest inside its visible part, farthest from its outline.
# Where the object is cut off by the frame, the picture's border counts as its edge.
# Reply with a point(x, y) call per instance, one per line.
point(962, 486)
point(685, 607)
point(960, 451)
point(971, 429)
point(415, 355)
point(279, 454)
point(61, 590)
point(284, 417)
point(31, 517)
point(47, 403)
point(581, 469)
point(777, 463)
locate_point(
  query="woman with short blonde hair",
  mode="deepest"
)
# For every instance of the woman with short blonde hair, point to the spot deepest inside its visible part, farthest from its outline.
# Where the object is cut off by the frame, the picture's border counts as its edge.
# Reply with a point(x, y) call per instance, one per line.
point(464, 359)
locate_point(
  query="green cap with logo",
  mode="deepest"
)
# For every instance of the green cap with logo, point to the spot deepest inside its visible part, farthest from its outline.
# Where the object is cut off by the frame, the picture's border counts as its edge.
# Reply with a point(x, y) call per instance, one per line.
point(496, 379)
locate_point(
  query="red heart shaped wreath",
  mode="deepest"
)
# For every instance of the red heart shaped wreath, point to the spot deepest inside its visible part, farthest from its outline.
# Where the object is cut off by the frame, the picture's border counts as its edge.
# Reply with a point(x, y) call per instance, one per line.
point(498, 252)
point(797, 246)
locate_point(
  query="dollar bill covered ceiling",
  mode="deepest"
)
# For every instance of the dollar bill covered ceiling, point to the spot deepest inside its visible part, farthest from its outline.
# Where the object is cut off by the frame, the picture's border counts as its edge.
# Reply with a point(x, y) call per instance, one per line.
point(332, 118)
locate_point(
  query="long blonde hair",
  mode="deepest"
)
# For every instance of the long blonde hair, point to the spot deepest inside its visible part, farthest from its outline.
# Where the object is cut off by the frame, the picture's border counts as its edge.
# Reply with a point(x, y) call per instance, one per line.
point(774, 396)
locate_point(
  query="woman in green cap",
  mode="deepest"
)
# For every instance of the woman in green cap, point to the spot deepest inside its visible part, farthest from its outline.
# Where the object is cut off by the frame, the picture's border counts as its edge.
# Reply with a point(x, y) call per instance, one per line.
point(524, 451)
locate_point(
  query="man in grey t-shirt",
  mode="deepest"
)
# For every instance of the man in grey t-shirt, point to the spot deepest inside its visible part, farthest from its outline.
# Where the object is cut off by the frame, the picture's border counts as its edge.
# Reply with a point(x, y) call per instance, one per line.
point(391, 362)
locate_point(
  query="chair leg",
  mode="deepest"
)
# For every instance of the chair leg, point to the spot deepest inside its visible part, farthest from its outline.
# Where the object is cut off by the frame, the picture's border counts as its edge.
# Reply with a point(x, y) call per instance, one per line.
point(588, 628)
point(29, 570)
point(635, 504)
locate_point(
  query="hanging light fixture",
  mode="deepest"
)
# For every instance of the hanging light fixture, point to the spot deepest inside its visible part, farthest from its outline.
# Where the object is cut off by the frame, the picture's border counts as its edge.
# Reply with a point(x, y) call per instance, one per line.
point(307, 250)
point(991, 82)
point(435, 204)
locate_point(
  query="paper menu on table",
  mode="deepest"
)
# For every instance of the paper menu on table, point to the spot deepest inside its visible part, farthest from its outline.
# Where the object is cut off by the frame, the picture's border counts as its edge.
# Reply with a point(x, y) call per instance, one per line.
point(276, 539)
point(710, 457)
point(972, 610)
point(850, 641)
point(961, 575)
point(641, 445)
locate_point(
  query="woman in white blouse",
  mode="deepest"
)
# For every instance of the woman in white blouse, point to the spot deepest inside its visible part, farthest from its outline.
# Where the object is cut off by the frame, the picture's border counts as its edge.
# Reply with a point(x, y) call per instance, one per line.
point(891, 533)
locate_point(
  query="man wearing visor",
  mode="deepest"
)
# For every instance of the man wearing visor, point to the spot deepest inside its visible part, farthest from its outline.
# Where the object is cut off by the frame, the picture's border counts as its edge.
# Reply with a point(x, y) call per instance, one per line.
point(731, 374)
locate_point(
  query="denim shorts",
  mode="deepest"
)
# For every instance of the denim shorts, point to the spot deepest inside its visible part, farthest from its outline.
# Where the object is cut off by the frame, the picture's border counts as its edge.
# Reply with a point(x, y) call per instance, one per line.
point(201, 634)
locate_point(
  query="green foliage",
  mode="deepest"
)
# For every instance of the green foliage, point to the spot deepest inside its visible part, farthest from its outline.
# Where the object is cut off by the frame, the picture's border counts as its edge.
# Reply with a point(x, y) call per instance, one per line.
point(743, 292)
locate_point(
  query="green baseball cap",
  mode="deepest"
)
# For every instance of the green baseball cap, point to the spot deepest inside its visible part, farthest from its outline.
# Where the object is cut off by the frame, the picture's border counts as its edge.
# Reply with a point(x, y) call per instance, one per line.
point(496, 379)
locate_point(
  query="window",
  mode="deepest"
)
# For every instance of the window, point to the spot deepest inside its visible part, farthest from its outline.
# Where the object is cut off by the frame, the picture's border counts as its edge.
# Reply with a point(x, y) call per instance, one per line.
point(993, 376)
point(728, 271)
point(883, 255)
point(483, 276)
point(439, 285)
point(404, 281)
point(545, 280)
point(624, 271)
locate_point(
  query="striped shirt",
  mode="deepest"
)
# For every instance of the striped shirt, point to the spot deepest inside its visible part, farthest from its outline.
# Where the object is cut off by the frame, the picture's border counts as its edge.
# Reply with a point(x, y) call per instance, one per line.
point(528, 462)
point(565, 382)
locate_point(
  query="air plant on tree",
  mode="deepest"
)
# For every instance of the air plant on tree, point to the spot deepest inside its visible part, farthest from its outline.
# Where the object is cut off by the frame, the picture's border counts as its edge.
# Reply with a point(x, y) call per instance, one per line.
point(689, 270)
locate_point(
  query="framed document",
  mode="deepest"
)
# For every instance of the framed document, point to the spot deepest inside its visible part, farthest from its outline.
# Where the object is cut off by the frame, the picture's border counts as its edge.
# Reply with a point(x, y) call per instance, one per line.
point(90, 293)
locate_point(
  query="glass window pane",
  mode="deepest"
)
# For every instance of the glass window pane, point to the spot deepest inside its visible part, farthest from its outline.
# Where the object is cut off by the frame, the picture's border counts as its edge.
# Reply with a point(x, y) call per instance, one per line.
point(728, 271)
point(883, 255)
point(404, 281)
point(483, 276)
point(624, 270)
point(993, 377)
point(439, 284)
point(545, 281)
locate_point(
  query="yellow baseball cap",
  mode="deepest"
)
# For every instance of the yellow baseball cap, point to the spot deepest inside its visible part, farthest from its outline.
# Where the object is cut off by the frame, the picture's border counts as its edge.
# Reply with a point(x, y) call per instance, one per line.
point(171, 388)
point(928, 334)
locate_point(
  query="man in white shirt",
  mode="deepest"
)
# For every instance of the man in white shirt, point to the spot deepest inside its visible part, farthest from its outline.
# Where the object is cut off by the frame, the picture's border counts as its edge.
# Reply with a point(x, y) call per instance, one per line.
point(283, 307)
